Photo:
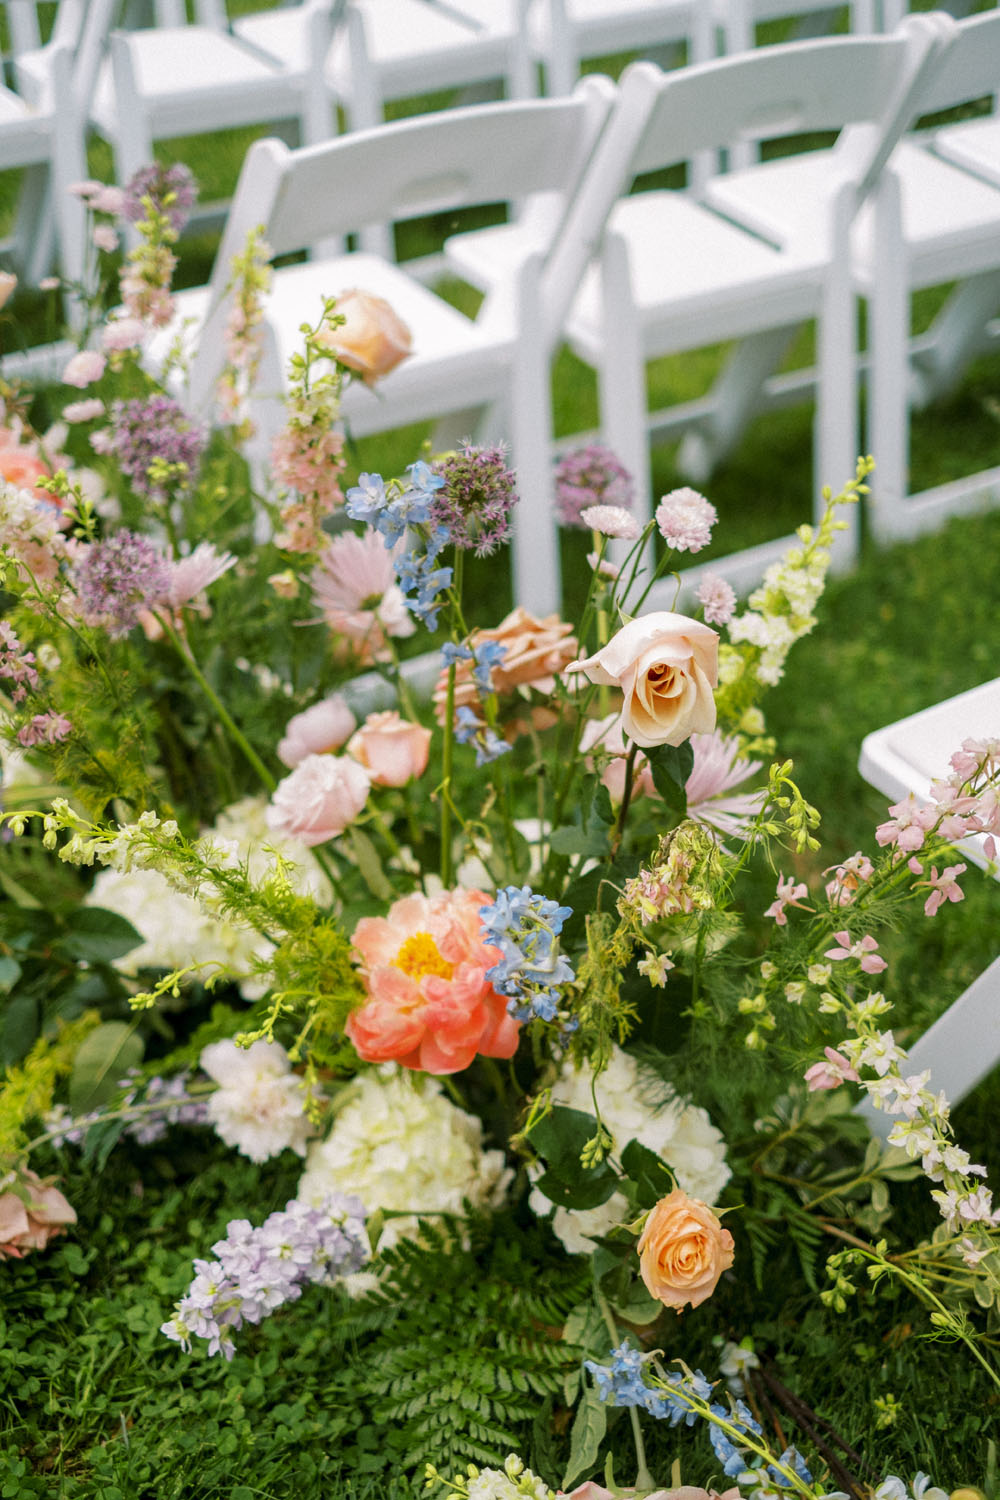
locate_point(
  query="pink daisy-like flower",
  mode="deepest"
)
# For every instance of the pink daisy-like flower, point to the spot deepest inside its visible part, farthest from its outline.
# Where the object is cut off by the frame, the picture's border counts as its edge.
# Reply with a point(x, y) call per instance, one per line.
point(718, 768)
point(863, 951)
point(831, 1073)
point(611, 520)
point(430, 1006)
point(354, 586)
point(717, 599)
point(190, 576)
point(685, 519)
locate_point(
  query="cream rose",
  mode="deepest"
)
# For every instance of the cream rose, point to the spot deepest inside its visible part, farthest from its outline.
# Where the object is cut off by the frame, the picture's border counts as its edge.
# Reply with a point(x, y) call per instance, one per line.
point(683, 1250)
point(373, 340)
point(392, 750)
point(316, 730)
point(319, 798)
point(667, 667)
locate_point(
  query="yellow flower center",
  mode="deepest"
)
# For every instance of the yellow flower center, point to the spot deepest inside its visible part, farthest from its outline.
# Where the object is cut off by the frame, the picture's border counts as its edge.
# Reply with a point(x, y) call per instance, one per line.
point(421, 955)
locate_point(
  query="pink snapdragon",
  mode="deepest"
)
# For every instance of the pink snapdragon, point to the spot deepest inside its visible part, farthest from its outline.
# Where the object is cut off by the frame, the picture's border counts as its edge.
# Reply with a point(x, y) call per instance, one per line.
point(789, 894)
point(864, 951)
point(831, 1073)
point(943, 887)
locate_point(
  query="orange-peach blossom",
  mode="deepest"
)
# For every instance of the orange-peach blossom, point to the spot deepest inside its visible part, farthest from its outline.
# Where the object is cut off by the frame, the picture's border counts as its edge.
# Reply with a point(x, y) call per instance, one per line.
point(536, 651)
point(430, 1006)
point(683, 1250)
point(372, 341)
point(392, 750)
point(29, 1225)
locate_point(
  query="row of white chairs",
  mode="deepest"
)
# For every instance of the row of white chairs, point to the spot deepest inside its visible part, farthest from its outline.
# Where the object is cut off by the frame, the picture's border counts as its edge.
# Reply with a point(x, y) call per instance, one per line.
point(625, 276)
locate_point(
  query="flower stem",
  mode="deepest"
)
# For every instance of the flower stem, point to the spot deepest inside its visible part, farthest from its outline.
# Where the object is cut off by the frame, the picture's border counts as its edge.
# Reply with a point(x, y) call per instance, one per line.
point(643, 1478)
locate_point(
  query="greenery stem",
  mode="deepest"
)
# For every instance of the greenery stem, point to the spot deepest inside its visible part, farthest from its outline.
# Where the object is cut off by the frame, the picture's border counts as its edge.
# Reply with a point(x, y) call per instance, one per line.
point(643, 1478)
point(619, 832)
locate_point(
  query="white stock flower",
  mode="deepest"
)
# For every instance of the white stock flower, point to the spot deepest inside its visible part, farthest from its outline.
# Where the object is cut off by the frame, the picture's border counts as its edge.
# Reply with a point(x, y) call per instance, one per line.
point(398, 1142)
point(637, 1105)
point(259, 1106)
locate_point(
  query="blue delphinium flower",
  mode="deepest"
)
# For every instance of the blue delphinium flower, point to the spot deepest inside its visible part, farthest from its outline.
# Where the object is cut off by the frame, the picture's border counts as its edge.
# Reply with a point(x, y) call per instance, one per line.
point(526, 927)
point(487, 655)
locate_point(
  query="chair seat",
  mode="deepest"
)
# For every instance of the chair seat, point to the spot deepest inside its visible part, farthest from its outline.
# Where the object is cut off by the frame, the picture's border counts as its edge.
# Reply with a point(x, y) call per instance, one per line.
point(695, 279)
point(175, 65)
point(974, 145)
point(617, 25)
point(25, 134)
point(950, 220)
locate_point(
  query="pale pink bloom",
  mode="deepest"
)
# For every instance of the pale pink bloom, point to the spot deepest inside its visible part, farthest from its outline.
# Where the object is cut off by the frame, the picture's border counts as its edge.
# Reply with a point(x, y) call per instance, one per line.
point(430, 1005)
point(44, 729)
point(85, 189)
point(910, 821)
point(880, 1053)
point(605, 568)
point(102, 441)
point(863, 951)
point(718, 767)
point(944, 887)
point(717, 599)
point(685, 519)
point(309, 459)
point(30, 1225)
point(8, 281)
point(145, 299)
point(123, 333)
point(105, 238)
point(49, 284)
point(611, 520)
point(913, 864)
point(107, 199)
point(843, 888)
point(84, 411)
point(354, 585)
point(84, 368)
point(910, 1094)
point(789, 894)
point(190, 576)
point(392, 750)
point(974, 754)
point(830, 1074)
point(317, 730)
point(318, 800)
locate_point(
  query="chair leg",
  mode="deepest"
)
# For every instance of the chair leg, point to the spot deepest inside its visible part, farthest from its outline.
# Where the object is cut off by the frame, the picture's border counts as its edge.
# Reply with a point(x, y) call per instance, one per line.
point(888, 380)
point(736, 397)
point(621, 379)
point(958, 333)
point(836, 439)
point(34, 238)
point(535, 545)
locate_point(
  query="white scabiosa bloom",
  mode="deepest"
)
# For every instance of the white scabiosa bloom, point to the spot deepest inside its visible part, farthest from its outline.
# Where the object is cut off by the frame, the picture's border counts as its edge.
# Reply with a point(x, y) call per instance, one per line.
point(398, 1142)
point(259, 1106)
point(636, 1105)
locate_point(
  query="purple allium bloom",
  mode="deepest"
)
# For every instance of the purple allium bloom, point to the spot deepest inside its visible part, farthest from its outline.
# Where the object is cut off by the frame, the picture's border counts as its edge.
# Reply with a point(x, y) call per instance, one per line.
point(477, 498)
point(153, 428)
point(590, 476)
point(119, 578)
point(159, 182)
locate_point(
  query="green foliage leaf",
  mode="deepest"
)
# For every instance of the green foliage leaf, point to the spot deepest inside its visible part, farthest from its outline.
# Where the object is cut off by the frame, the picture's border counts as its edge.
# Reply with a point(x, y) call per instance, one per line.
point(103, 1058)
point(652, 1178)
point(21, 1022)
point(96, 935)
point(671, 766)
point(370, 865)
point(560, 1137)
point(637, 1306)
point(572, 839)
point(589, 1426)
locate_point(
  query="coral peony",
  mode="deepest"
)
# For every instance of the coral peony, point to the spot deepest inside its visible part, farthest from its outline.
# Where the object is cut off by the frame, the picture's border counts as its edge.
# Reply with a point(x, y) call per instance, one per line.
point(535, 651)
point(29, 1222)
point(429, 1003)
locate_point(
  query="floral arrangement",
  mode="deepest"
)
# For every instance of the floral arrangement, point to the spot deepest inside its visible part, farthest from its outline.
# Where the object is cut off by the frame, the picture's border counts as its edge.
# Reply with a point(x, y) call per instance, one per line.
point(492, 955)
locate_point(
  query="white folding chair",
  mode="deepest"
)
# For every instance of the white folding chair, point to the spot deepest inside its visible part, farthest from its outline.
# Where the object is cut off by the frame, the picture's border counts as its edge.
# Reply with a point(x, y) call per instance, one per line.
point(565, 33)
point(460, 366)
point(737, 20)
point(42, 130)
point(939, 224)
point(178, 78)
point(963, 1045)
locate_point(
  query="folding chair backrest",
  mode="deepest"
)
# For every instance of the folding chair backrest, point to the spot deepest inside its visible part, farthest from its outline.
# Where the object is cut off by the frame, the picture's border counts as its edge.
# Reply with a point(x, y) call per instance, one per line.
point(970, 69)
point(740, 17)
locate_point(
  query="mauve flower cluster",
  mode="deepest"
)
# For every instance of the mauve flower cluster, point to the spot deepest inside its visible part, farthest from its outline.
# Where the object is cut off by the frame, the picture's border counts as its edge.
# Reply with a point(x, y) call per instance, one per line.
point(16, 664)
point(118, 579)
point(257, 1270)
point(172, 189)
point(150, 429)
point(174, 1106)
point(589, 476)
point(47, 729)
point(477, 498)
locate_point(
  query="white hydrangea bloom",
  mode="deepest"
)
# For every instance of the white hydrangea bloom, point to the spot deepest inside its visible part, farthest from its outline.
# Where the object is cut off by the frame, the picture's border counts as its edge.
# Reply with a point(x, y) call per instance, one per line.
point(637, 1105)
point(259, 1105)
point(399, 1143)
point(177, 930)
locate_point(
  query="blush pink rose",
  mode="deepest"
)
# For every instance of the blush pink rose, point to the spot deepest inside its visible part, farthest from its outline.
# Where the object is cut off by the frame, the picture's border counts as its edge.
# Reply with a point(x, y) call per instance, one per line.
point(316, 730)
point(319, 798)
point(430, 1005)
point(667, 667)
point(30, 1225)
point(372, 341)
point(392, 750)
point(683, 1250)
point(84, 368)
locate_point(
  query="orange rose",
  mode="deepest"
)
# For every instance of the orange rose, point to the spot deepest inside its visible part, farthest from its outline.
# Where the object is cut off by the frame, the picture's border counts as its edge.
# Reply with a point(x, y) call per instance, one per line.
point(535, 652)
point(373, 341)
point(683, 1250)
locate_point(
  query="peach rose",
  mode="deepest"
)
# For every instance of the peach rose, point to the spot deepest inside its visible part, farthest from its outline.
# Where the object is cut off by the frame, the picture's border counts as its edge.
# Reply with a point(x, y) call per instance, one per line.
point(392, 750)
point(667, 667)
point(316, 730)
point(319, 798)
point(373, 341)
point(535, 652)
point(683, 1250)
point(30, 1225)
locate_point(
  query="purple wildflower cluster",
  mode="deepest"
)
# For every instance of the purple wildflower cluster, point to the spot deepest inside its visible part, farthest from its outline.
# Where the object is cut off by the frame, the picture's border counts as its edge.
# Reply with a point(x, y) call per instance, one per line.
point(173, 1106)
point(16, 664)
point(161, 183)
point(118, 578)
point(590, 476)
point(153, 428)
point(257, 1270)
point(477, 498)
point(673, 1398)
